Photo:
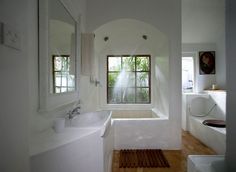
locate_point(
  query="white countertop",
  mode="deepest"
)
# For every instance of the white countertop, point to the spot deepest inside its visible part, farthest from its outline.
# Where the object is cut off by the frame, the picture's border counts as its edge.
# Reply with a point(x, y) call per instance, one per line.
point(49, 139)
point(85, 124)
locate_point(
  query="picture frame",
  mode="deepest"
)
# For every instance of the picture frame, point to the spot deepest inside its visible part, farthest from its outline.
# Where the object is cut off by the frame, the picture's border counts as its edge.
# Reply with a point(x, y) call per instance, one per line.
point(206, 62)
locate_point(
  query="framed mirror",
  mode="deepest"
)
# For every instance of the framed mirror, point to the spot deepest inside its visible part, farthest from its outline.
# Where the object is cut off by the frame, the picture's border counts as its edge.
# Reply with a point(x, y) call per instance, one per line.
point(58, 55)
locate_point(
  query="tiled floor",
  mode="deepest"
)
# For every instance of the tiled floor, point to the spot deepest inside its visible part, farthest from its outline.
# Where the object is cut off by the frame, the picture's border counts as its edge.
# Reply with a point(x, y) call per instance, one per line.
point(176, 158)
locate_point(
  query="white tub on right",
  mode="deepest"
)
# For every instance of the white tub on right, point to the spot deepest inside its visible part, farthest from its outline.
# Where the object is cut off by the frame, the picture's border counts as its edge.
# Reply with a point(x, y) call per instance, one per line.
point(212, 106)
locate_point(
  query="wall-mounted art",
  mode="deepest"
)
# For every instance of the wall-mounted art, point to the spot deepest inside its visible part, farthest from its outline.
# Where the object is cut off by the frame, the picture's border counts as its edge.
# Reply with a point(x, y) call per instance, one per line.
point(206, 62)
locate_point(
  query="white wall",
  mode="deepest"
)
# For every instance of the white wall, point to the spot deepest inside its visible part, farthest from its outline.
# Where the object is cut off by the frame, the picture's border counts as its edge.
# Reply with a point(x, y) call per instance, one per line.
point(203, 22)
point(14, 119)
point(231, 84)
point(201, 81)
point(221, 62)
point(157, 15)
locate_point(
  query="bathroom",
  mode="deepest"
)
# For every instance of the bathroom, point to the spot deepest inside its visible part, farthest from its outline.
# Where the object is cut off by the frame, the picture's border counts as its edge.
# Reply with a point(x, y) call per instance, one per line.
point(20, 116)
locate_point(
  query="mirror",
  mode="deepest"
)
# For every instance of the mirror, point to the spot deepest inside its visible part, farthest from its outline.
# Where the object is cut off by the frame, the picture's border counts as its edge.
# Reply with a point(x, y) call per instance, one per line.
point(61, 48)
point(58, 55)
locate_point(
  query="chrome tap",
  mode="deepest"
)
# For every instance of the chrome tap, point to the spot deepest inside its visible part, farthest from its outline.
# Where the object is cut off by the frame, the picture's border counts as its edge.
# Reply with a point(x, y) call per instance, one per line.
point(72, 113)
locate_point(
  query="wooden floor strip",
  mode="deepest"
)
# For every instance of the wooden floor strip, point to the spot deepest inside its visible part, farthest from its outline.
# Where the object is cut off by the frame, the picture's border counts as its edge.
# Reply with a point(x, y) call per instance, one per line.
point(177, 159)
point(140, 158)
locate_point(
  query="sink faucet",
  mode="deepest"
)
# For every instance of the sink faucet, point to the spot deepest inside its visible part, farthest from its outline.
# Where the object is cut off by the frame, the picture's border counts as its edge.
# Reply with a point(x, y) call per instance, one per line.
point(72, 113)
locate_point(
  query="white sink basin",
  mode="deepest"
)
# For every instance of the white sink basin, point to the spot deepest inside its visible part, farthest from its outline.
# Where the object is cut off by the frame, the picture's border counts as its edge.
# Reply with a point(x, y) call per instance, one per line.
point(97, 119)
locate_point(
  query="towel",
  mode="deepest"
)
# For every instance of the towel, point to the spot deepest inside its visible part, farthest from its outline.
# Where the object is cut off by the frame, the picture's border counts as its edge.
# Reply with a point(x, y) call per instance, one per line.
point(87, 54)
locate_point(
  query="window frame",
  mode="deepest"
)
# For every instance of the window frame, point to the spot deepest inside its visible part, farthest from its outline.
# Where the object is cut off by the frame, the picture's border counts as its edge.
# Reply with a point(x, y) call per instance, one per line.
point(54, 78)
point(135, 72)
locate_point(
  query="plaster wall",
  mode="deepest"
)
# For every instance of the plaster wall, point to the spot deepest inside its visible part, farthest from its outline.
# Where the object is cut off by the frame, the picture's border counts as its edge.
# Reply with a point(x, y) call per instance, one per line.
point(15, 97)
point(130, 41)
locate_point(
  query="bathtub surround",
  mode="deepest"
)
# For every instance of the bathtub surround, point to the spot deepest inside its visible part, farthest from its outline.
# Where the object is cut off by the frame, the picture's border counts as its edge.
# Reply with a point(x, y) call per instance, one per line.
point(137, 133)
point(213, 137)
point(199, 107)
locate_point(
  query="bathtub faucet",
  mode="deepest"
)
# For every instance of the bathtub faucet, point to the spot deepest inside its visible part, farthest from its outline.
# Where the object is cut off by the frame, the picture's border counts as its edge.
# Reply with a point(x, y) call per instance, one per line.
point(72, 113)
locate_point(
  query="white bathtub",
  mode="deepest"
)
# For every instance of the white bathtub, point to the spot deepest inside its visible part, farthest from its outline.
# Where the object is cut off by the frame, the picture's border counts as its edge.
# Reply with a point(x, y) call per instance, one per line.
point(85, 145)
point(135, 129)
point(201, 107)
point(211, 136)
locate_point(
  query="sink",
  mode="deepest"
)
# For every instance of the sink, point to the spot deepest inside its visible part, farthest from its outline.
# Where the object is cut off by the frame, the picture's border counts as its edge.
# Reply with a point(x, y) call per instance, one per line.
point(98, 119)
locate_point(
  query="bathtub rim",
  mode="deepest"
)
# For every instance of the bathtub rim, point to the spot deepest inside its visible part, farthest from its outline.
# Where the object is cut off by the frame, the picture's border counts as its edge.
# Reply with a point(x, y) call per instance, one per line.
point(201, 119)
point(159, 115)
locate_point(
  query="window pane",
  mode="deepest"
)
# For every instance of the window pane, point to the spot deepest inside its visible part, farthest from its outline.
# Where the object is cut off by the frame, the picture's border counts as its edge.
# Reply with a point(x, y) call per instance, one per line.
point(142, 95)
point(71, 88)
point(142, 79)
point(57, 78)
point(125, 79)
point(114, 63)
point(128, 95)
point(128, 63)
point(57, 90)
point(142, 64)
point(131, 79)
point(71, 80)
point(63, 89)
point(112, 78)
point(57, 63)
point(64, 81)
point(114, 95)
point(65, 66)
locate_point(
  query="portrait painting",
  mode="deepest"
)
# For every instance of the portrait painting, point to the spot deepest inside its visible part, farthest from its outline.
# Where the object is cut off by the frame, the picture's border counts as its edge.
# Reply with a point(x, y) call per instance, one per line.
point(206, 62)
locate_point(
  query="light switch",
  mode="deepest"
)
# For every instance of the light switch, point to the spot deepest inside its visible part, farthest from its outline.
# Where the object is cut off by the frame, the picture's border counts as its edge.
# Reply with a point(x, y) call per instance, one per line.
point(10, 36)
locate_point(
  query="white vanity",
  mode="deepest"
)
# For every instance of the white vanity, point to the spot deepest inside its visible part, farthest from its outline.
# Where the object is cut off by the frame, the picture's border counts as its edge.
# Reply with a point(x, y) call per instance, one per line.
point(84, 148)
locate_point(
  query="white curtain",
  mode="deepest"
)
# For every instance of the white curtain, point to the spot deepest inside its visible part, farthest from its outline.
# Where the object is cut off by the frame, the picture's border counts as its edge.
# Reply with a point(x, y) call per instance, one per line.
point(87, 54)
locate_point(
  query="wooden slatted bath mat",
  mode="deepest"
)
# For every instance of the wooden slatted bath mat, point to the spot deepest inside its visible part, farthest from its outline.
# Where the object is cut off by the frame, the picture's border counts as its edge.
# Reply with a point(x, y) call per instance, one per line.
point(142, 158)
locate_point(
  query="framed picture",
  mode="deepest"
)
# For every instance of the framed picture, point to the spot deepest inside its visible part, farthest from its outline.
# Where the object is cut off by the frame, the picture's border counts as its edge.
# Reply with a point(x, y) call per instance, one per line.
point(206, 62)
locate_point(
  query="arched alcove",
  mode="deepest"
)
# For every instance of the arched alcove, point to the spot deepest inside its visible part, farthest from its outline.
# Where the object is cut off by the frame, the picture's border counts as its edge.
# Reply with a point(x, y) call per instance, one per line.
point(132, 37)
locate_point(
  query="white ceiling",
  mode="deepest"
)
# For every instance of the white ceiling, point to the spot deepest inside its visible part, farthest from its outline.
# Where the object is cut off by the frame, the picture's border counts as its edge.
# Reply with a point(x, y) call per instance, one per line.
point(202, 21)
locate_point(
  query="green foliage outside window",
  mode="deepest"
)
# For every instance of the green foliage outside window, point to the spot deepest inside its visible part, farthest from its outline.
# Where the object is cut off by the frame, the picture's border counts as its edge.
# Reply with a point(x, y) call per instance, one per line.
point(63, 81)
point(128, 79)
